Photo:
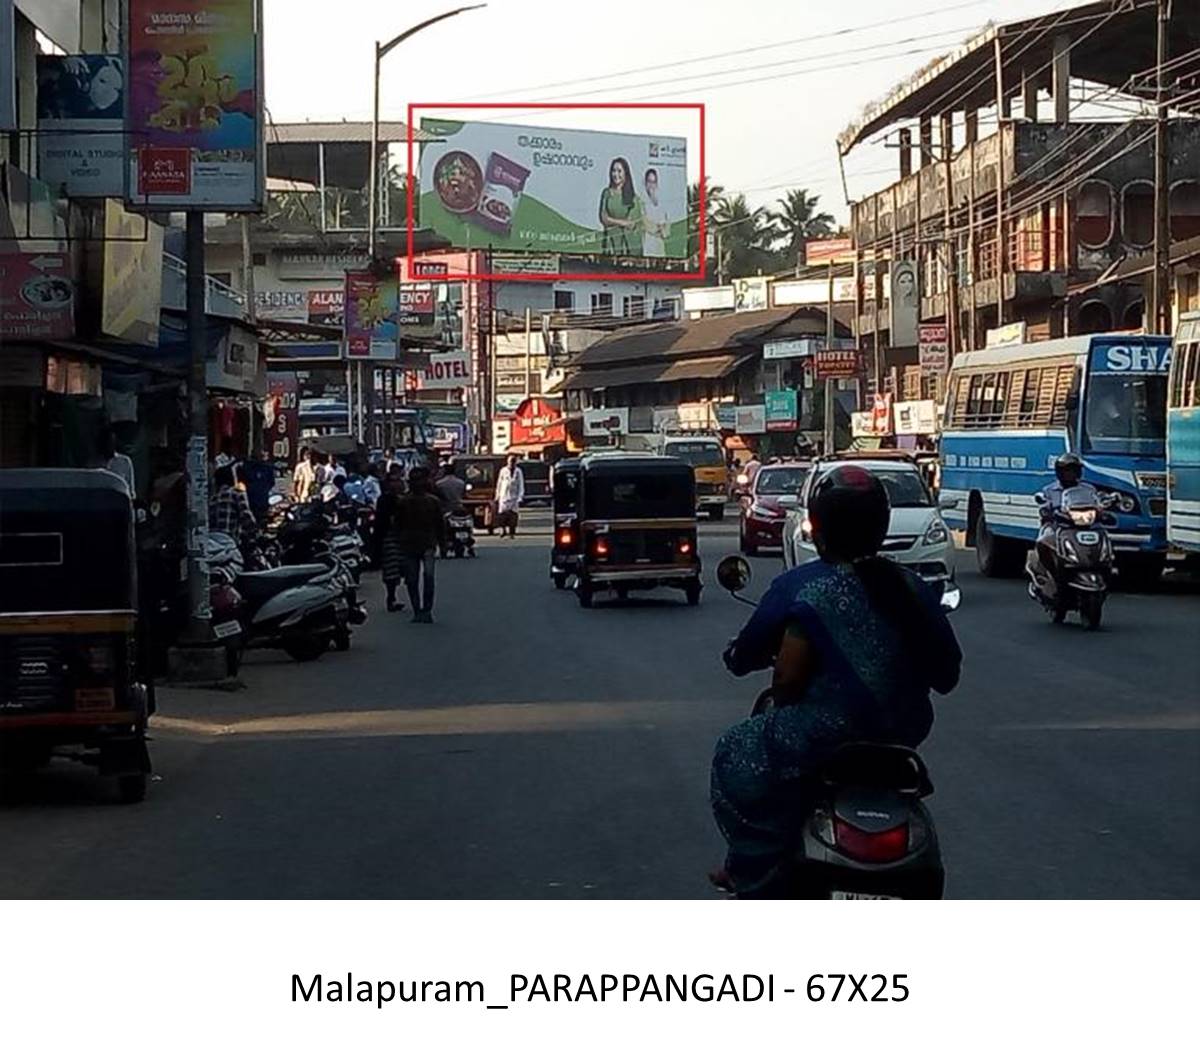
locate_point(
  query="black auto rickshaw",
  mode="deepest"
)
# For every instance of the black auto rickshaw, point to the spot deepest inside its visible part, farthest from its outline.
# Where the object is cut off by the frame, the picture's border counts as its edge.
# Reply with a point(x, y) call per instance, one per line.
point(479, 472)
point(564, 549)
point(68, 624)
point(637, 525)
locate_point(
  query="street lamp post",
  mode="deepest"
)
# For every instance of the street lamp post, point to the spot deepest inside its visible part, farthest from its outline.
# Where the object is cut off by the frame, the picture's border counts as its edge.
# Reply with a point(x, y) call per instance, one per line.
point(381, 51)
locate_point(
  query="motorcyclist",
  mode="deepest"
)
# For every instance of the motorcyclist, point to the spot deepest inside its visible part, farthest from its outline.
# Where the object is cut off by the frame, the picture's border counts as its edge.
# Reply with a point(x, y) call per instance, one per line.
point(1068, 473)
point(856, 643)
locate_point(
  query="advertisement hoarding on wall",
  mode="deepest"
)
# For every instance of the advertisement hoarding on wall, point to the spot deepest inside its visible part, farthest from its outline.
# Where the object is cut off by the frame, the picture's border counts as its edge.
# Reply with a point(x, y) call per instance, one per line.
point(781, 410)
point(905, 303)
point(131, 296)
point(537, 421)
point(37, 296)
point(751, 420)
point(81, 116)
point(750, 294)
point(194, 104)
point(934, 349)
point(534, 189)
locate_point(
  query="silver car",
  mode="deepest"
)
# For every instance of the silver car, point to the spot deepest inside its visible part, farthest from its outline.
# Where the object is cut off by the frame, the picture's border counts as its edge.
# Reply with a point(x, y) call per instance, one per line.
point(917, 537)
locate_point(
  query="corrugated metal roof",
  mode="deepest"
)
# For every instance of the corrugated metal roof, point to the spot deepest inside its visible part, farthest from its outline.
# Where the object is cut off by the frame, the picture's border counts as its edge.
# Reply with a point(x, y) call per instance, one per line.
point(659, 371)
point(341, 133)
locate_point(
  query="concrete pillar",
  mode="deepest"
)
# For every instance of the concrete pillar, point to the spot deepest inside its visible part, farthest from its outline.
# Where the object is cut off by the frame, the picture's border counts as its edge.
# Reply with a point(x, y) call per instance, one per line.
point(905, 153)
point(1061, 80)
point(1029, 97)
point(946, 134)
point(972, 128)
point(926, 140)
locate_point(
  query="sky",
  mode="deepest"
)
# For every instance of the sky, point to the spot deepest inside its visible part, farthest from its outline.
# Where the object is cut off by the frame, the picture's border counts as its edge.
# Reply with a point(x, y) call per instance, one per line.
point(813, 63)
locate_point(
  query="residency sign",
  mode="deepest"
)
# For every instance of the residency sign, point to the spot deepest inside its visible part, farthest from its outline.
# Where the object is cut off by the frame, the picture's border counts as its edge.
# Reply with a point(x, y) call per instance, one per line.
point(195, 104)
point(533, 189)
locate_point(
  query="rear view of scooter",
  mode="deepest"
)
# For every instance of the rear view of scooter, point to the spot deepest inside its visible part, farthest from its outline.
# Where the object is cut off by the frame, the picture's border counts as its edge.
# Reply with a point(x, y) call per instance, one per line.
point(1071, 567)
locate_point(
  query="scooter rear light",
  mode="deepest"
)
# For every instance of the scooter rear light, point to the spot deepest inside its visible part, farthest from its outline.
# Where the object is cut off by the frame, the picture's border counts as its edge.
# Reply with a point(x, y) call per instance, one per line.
point(565, 537)
point(600, 548)
point(887, 845)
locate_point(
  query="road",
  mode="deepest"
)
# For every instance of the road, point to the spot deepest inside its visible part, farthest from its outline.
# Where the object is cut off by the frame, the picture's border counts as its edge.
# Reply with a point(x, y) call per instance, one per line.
point(524, 747)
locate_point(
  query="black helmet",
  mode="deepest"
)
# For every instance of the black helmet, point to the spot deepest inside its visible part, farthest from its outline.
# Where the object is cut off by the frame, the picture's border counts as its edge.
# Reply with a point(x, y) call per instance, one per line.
point(849, 511)
point(1068, 469)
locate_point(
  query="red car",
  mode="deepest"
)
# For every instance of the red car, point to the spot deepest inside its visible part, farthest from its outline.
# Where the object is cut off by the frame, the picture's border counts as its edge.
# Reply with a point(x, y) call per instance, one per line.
point(764, 509)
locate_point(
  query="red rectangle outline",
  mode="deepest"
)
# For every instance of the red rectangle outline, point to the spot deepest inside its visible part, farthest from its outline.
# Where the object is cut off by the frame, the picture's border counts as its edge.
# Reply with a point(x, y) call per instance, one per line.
point(410, 219)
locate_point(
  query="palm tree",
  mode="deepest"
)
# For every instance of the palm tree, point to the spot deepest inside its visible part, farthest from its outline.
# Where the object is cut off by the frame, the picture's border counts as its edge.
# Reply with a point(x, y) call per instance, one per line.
point(712, 194)
point(746, 234)
point(799, 222)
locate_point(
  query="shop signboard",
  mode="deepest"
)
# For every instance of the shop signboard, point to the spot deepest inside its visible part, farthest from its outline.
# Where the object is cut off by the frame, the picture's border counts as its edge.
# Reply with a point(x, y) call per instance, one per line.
point(828, 250)
point(915, 417)
point(786, 349)
point(320, 266)
point(81, 110)
point(537, 421)
point(131, 295)
point(533, 189)
point(599, 422)
point(726, 415)
point(194, 108)
point(525, 265)
point(37, 296)
point(934, 349)
point(441, 371)
point(429, 269)
point(326, 306)
point(781, 411)
point(836, 363)
point(282, 433)
point(751, 420)
point(1007, 334)
point(862, 423)
point(750, 294)
point(281, 304)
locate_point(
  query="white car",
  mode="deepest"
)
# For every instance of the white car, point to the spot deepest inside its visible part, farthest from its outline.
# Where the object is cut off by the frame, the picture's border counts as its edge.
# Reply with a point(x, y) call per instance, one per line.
point(917, 537)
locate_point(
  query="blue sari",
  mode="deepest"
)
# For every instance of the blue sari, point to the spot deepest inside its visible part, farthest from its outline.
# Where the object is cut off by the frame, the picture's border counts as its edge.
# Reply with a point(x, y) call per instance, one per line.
point(869, 685)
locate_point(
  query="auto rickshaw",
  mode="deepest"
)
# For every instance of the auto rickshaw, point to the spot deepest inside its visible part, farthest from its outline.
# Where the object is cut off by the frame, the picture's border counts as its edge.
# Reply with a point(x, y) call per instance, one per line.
point(68, 623)
point(479, 472)
point(637, 526)
point(564, 549)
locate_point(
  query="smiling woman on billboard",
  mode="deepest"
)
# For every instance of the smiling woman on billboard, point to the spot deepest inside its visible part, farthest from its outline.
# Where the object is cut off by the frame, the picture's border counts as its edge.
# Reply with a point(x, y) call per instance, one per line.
point(621, 212)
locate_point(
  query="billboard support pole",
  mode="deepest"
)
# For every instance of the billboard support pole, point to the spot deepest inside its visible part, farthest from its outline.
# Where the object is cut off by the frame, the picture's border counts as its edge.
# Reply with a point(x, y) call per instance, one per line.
point(827, 432)
point(528, 353)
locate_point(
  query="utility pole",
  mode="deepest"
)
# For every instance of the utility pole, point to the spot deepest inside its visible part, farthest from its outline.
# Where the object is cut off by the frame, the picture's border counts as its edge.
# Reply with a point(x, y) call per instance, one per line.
point(1161, 289)
point(827, 444)
point(528, 353)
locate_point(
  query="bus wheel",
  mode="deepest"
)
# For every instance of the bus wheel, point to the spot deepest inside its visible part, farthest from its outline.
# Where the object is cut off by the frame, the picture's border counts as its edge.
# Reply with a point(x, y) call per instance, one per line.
point(996, 556)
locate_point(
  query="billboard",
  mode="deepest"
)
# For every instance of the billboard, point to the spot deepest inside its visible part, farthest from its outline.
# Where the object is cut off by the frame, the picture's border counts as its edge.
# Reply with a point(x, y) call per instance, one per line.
point(906, 303)
point(131, 295)
point(534, 189)
point(37, 296)
point(751, 419)
point(781, 410)
point(371, 328)
point(194, 108)
point(537, 421)
point(81, 119)
point(750, 294)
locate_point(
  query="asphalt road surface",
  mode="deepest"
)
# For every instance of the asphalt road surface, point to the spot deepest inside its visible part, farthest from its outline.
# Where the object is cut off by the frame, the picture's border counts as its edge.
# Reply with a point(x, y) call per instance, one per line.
point(524, 747)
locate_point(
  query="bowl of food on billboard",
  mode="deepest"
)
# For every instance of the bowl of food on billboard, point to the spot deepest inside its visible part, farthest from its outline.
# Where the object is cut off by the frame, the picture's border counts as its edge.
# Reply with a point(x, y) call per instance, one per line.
point(552, 190)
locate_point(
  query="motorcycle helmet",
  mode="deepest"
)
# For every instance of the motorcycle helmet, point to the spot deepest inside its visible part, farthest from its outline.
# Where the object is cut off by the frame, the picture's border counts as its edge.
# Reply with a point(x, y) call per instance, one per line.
point(849, 512)
point(1068, 469)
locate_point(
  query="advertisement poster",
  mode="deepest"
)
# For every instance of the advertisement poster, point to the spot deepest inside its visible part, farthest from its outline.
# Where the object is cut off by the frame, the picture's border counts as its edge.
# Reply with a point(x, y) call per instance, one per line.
point(531, 189)
point(537, 421)
point(781, 412)
point(750, 294)
point(934, 349)
point(371, 328)
point(194, 104)
point(37, 296)
point(915, 417)
point(131, 297)
point(906, 303)
point(881, 414)
point(81, 116)
point(282, 411)
point(8, 60)
point(751, 420)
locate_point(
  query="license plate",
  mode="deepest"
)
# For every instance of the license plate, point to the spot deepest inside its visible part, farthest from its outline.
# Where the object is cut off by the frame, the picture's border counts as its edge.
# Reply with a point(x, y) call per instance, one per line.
point(227, 629)
point(853, 895)
point(95, 699)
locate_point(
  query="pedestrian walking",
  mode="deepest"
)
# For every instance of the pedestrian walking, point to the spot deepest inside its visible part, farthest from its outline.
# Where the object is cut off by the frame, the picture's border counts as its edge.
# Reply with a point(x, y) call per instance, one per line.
point(304, 475)
point(510, 492)
point(117, 463)
point(421, 531)
point(388, 547)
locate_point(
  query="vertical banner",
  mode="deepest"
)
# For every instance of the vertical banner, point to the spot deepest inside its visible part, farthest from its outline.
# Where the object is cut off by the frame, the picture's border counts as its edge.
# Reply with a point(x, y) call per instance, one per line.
point(282, 433)
point(935, 349)
point(905, 304)
point(194, 109)
point(372, 329)
point(8, 66)
point(81, 118)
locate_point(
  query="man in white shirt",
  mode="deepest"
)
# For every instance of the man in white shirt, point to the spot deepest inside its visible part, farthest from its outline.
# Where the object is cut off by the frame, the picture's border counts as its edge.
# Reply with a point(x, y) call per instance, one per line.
point(656, 225)
point(117, 463)
point(510, 492)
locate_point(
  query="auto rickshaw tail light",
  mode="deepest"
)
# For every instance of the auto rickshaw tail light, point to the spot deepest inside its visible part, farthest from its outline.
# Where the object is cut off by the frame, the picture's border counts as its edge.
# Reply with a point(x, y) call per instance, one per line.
point(600, 547)
point(685, 547)
point(565, 537)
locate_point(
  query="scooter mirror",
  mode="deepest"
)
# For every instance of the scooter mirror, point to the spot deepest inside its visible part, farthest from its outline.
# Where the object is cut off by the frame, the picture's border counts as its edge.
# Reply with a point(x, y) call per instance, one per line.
point(733, 573)
point(1039, 498)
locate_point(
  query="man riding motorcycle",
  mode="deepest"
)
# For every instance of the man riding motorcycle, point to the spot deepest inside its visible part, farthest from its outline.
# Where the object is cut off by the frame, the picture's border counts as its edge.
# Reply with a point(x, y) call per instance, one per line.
point(1068, 473)
point(856, 643)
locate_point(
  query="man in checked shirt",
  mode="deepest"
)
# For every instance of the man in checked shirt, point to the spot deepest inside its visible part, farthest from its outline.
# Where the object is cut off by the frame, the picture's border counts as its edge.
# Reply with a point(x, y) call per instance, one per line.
point(229, 511)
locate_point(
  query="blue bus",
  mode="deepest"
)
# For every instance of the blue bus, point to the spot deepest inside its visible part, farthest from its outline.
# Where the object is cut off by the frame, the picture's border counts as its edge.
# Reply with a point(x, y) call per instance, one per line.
point(1011, 410)
point(1183, 438)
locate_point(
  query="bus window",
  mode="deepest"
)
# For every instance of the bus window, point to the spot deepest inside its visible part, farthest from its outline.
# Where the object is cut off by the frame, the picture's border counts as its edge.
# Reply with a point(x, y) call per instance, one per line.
point(974, 396)
point(1062, 390)
point(1016, 393)
point(1029, 397)
point(1191, 375)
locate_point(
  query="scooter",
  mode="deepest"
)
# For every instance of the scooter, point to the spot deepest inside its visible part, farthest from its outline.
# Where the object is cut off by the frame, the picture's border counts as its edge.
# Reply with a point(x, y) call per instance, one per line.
point(1081, 557)
point(299, 609)
point(865, 833)
point(460, 531)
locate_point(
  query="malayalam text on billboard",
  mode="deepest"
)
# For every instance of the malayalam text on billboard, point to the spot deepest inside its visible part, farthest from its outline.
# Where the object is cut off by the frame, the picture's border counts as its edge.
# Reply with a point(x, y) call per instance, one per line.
point(194, 108)
point(531, 189)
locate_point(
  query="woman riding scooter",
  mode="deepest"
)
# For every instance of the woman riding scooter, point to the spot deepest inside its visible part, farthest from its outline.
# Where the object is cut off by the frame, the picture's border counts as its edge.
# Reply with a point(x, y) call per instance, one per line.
point(856, 643)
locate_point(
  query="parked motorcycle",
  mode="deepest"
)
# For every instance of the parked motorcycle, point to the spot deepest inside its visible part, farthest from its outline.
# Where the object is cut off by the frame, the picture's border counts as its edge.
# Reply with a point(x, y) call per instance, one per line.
point(865, 832)
point(299, 609)
point(1071, 566)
